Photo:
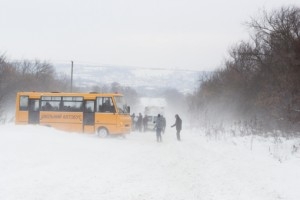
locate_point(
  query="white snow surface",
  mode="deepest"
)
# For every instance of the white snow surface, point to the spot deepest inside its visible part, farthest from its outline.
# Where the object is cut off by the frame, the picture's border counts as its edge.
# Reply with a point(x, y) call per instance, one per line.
point(43, 163)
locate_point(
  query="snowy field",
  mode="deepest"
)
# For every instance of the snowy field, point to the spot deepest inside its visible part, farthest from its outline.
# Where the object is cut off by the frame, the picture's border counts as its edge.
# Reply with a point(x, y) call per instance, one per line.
point(40, 163)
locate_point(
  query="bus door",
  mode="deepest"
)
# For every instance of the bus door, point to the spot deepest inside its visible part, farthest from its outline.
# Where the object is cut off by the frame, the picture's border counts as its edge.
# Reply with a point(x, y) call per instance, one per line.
point(34, 111)
point(89, 116)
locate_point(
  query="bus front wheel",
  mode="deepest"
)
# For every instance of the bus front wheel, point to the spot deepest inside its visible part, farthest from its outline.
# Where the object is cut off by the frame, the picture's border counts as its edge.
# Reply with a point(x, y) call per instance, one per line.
point(102, 132)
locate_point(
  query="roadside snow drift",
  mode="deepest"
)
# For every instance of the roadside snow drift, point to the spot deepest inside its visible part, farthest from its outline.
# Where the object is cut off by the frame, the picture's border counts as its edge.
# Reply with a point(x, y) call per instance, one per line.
point(43, 163)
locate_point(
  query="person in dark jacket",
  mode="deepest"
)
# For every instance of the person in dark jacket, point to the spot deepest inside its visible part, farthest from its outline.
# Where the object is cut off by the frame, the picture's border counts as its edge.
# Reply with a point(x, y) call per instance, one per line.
point(164, 124)
point(159, 126)
point(140, 122)
point(132, 122)
point(178, 124)
point(145, 123)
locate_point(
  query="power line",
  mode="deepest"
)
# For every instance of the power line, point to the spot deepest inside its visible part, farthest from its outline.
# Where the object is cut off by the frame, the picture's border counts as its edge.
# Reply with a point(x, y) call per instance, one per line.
point(97, 65)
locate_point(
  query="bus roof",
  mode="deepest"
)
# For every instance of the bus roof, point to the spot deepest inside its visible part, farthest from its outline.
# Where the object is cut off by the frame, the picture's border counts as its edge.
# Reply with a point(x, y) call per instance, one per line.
point(91, 94)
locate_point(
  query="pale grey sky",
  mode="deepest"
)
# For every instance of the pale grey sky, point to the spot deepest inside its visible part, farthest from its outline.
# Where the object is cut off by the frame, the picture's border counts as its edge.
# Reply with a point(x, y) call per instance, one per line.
point(182, 34)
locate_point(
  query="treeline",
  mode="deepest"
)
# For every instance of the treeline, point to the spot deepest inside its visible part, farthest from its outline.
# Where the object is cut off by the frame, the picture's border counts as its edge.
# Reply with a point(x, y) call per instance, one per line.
point(26, 76)
point(260, 81)
point(41, 76)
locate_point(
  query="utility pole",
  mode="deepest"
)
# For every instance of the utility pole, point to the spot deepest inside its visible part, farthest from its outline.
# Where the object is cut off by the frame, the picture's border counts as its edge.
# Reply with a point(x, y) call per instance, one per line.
point(71, 75)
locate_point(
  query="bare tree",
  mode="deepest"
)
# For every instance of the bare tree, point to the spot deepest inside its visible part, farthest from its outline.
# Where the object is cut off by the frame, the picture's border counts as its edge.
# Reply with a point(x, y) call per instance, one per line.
point(261, 78)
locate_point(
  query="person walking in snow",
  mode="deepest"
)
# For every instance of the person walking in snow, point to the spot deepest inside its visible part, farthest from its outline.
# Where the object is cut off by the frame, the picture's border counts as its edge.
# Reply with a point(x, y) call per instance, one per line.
point(145, 123)
point(132, 122)
point(164, 124)
point(178, 124)
point(158, 127)
point(140, 122)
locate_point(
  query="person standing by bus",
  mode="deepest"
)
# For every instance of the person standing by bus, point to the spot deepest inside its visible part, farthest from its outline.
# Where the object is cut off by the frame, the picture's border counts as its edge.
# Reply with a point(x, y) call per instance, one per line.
point(159, 126)
point(178, 124)
point(145, 123)
point(140, 122)
point(132, 122)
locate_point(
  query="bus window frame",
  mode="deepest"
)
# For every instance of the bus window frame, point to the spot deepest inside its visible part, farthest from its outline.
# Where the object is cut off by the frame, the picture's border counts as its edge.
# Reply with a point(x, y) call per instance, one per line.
point(24, 108)
point(87, 108)
point(100, 108)
point(58, 103)
point(74, 100)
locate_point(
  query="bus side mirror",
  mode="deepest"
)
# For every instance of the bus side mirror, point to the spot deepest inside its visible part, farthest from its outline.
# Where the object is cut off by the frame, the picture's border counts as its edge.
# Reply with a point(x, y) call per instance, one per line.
point(128, 108)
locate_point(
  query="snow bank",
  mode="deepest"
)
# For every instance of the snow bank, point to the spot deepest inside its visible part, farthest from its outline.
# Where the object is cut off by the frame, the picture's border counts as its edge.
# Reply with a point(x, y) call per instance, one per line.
point(43, 163)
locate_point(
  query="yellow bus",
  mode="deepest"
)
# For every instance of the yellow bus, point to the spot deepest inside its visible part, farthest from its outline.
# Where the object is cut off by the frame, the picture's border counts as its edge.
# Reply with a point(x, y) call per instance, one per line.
point(100, 113)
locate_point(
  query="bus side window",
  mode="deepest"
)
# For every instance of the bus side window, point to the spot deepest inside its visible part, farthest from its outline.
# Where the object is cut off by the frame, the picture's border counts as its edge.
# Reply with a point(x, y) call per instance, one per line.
point(34, 105)
point(89, 107)
point(99, 104)
point(105, 104)
point(46, 106)
point(112, 107)
point(24, 102)
point(61, 106)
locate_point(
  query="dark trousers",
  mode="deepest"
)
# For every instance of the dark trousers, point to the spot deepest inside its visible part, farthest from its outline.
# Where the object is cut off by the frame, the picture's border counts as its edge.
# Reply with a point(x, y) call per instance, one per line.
point(158, 134)
point(178, 135)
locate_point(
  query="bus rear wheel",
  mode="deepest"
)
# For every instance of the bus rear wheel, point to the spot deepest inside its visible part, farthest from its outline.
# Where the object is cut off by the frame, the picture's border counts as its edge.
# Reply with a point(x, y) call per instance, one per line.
point(102, 132)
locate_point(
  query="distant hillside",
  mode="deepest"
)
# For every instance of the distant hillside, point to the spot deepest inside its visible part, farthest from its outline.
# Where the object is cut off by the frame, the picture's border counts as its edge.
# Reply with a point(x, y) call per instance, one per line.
point(139, 79)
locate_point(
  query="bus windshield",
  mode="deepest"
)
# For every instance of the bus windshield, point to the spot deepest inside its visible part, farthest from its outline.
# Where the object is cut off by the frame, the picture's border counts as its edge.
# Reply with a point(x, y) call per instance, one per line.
point(121, 105)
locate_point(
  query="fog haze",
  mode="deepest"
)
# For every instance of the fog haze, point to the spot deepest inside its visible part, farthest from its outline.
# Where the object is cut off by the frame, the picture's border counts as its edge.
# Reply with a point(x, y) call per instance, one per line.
point(153, 34)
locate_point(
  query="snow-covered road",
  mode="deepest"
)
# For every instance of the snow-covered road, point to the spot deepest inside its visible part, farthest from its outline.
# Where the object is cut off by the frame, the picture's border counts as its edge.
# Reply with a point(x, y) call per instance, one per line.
point(43, 163)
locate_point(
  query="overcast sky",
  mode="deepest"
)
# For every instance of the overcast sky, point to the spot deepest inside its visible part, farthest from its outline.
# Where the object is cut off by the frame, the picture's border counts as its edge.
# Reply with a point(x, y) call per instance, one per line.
point(182, 34)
